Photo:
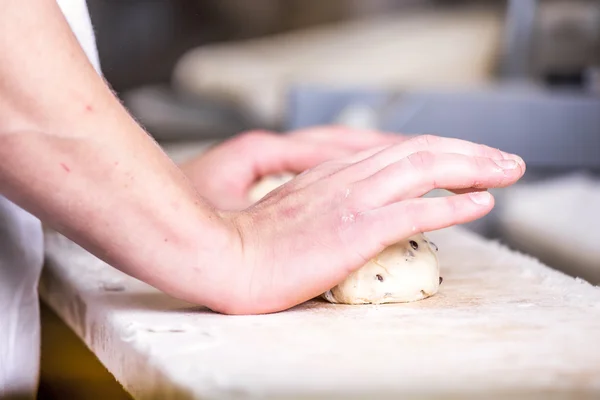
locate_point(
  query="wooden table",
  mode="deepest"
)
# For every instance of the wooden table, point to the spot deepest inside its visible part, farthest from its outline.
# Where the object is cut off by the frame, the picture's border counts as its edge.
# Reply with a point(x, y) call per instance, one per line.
point(502, 325)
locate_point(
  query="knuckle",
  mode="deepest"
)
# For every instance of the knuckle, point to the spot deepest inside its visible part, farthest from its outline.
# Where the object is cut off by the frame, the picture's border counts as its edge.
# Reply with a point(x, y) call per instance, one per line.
point(421, 160)
point(354, 197)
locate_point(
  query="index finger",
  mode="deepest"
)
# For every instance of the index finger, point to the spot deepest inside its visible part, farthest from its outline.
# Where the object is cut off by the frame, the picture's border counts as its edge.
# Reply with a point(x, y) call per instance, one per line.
point(375, 160)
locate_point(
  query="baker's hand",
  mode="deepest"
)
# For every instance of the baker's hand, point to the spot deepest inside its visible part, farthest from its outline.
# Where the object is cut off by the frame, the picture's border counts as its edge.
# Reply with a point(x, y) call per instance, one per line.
point(224, 174)
point(311, 233)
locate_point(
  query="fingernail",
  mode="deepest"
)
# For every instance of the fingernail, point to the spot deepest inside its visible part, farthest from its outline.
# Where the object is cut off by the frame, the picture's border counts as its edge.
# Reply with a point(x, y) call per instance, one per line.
point(506, 164)
point(520, 161)
point(481, 198)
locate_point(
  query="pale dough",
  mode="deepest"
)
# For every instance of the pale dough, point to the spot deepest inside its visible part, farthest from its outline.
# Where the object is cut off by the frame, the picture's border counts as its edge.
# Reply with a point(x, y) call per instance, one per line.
point(404, 272)
point(267, 185)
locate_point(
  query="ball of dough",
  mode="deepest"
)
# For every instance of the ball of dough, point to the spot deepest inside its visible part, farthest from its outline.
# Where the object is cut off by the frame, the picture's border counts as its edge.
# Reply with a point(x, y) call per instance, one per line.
point(403, 272)
point(267, 185)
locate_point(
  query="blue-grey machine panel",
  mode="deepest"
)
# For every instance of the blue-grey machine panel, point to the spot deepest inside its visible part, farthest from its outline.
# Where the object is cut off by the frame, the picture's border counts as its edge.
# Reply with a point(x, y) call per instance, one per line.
point(549, 129)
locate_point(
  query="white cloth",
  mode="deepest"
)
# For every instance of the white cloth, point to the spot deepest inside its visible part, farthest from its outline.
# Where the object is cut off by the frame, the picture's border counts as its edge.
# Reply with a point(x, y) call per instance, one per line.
point(21, 257)
point(21, 260)
point(78, 17)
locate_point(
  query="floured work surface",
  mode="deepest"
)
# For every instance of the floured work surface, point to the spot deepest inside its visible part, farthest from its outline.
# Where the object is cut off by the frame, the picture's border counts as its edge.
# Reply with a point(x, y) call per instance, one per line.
point(558, 221)
point(502, 324)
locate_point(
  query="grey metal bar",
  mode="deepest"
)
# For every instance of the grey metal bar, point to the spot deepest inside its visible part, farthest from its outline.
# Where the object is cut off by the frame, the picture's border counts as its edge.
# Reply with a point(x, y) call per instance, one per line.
point(548, 129)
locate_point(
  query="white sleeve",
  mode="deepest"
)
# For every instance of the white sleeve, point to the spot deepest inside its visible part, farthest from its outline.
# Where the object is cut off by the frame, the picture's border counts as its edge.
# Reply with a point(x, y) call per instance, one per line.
point(21, 260)
point(77, 14)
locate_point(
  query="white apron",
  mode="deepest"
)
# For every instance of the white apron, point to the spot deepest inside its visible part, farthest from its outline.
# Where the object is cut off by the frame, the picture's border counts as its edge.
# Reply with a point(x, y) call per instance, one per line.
point(21, 259)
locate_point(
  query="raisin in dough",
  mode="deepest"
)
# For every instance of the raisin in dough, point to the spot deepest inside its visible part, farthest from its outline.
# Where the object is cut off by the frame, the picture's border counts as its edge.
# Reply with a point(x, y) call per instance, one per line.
point(403, 272)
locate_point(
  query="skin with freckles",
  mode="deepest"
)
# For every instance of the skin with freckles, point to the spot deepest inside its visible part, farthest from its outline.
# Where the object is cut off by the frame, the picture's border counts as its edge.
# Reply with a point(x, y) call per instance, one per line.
point(97, 177)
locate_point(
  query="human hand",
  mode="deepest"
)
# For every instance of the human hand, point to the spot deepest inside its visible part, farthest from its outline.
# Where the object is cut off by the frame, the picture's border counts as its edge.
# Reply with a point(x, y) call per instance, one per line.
point(311, 233)
point(224, 174)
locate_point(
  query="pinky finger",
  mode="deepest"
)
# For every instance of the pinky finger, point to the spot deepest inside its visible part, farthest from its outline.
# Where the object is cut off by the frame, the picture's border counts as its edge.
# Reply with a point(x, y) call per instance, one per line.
point(395, 222)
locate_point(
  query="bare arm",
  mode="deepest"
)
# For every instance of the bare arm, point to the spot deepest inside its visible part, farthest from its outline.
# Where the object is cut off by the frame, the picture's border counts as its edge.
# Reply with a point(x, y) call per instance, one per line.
point(72, 155)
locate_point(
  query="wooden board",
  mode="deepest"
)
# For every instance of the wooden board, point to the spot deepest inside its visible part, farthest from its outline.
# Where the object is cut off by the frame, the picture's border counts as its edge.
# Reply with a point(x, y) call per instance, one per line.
point(502, 325)
point(556, 220)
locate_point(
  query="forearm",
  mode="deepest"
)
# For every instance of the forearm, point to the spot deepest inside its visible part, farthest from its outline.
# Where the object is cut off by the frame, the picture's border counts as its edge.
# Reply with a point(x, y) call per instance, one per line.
point(73, 156)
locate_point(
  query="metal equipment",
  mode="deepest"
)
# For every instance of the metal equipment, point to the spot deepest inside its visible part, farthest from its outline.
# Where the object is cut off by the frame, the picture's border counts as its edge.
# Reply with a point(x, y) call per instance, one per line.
point(545, 109)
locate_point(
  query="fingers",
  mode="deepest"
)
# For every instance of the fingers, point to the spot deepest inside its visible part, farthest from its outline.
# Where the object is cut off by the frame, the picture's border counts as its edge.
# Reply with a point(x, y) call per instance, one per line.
point(451, 145)
point(329, 168)
point(302, 150)
point(394, 222)
point(419, 173)
point(388, 172)
point(359, 140)
point(361, 166)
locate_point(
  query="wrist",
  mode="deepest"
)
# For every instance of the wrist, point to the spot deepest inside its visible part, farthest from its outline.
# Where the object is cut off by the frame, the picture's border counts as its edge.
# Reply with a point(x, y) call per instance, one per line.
point(138, 214)
point(192, 261)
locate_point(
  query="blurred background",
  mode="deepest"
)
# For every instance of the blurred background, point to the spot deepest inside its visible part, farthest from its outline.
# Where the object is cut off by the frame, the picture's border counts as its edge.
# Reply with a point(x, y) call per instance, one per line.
point(234, 62)
point(521, 75)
